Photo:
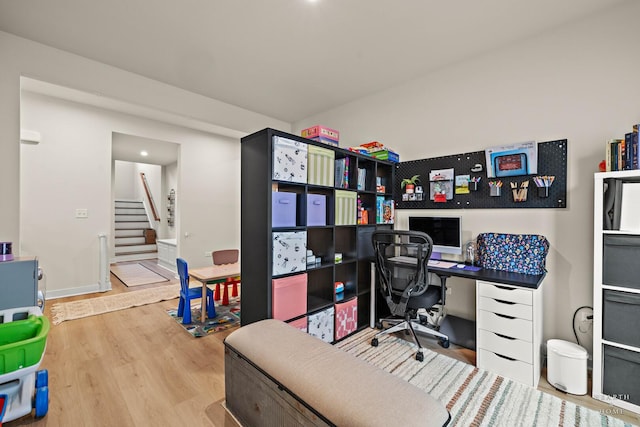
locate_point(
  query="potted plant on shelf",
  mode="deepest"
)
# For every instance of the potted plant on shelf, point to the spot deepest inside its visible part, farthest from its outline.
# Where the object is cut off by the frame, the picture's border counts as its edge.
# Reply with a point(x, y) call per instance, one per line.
point(409, 184)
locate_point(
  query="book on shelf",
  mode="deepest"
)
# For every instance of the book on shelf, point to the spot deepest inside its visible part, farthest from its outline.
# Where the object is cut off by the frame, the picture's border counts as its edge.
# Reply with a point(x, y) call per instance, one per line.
point(612, 150)
point(623, 154)
point(385, 212)
point(342, 173)
point(635, 154)
point(627, 149)
point(362, 178)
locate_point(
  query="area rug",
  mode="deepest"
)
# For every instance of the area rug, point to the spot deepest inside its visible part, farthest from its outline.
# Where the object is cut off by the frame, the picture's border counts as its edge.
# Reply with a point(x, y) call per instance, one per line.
point(99, 305)
point(474, 397)
point(226, 317)
point(136, 274)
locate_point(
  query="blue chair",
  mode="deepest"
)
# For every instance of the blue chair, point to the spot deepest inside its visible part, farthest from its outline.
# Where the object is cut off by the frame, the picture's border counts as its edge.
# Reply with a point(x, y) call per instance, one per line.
point(187, 294)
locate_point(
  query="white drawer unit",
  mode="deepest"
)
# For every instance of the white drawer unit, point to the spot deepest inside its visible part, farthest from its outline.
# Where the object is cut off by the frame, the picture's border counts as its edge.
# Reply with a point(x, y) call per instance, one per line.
point(508, 367)
point(509, 331)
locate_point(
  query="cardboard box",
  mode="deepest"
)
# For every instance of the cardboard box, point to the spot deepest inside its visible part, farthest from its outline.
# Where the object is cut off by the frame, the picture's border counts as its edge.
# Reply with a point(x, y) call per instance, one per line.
point(321, 132)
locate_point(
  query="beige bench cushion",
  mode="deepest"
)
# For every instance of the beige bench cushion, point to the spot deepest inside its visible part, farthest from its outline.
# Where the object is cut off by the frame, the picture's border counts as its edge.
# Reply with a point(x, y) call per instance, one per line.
point(344, 389)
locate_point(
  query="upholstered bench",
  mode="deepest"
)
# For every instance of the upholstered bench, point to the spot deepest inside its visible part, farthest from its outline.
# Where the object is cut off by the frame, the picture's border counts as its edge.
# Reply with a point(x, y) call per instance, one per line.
point(277, 375)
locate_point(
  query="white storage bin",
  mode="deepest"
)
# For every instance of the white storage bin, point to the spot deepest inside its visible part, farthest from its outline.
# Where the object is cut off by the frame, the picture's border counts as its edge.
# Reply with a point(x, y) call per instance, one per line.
point(567, 366)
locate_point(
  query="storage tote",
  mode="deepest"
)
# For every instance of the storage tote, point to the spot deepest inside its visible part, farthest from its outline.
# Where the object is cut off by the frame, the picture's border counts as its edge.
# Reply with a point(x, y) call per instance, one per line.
point(289, 296)
point(289, 160)
point(289, 252)
point(300, 324)
point(321, 163)
point(620, 264)
point(620, 311)
point(321, 324)
point(316, 210)
point(283, 209)
point(346, 318)
point(622, 370)
point(346, 207)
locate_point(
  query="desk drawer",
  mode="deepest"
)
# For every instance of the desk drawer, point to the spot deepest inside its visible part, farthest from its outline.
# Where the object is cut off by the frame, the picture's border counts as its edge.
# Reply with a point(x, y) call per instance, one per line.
point(504, 325)
point(511, 347)
point(521, 311)
point(501, 365)
point(504, 292)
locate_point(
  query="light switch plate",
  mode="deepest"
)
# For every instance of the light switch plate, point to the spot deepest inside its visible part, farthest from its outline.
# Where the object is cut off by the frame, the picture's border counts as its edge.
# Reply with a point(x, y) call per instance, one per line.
point(82, 213)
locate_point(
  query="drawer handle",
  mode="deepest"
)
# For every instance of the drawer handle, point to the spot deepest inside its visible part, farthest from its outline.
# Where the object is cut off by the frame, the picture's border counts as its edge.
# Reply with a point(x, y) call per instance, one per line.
point(283, 201)
point(504, 316)
point(501, 301)
point(504, 336)
point(505, 357)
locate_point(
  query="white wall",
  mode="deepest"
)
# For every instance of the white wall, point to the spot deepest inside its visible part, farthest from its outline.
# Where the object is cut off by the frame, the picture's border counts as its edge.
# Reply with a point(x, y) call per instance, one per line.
point(124, 176)
point(169, 182)
point(579, 82)
point(71, 168)
point(21, 57)
point(71, 264)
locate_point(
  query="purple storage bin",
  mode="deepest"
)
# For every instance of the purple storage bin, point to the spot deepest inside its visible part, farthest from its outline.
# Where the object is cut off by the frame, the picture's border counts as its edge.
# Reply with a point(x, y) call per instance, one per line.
point(283, 209)
point(316, 210)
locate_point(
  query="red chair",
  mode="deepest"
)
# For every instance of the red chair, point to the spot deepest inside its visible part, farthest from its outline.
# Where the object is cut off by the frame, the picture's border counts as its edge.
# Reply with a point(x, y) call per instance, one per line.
point(226, 256)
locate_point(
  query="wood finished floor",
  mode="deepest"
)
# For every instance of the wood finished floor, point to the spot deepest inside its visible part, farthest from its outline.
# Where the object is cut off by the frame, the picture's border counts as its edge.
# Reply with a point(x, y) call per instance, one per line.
point(137, 367)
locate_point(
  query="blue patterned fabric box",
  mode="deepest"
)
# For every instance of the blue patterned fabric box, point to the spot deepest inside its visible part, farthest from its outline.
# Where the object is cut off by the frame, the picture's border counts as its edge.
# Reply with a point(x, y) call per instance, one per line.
point(518, 253)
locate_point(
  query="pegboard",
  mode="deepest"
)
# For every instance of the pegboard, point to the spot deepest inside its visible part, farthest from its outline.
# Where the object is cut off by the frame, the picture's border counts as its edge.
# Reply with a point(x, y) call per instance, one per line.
point(552, 161)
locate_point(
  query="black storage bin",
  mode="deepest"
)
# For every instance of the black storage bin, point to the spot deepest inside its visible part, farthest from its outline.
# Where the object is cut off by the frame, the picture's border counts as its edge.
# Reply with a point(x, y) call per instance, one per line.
point(621, 373)
point(621, 266)
point(621, 314)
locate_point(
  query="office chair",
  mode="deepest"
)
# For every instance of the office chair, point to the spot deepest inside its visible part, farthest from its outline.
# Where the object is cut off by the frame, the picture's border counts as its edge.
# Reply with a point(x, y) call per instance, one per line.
point(187, 294)
point(226, 256)
point(401, 264)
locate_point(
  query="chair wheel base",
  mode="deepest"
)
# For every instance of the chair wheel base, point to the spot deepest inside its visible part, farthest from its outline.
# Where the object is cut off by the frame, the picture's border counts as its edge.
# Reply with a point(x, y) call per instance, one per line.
point(444, 343)
point(379, 325)
point(420, 357)
point(374, 342)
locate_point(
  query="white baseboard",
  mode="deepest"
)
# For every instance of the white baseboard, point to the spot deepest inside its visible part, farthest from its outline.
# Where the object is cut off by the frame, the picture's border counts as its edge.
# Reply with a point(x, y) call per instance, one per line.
point(71, 292)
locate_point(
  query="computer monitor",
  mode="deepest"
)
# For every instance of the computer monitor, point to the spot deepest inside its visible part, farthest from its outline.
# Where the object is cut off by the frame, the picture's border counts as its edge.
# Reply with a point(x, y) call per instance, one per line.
point(445, 231)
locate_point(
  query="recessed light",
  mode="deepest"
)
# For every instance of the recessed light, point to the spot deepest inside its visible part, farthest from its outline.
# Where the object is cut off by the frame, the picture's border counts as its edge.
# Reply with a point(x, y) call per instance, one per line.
point(144, 153)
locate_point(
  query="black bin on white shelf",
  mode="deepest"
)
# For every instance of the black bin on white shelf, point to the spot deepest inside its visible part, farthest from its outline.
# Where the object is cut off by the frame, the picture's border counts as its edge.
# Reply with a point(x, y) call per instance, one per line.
point(621, 310)
point(620, 265)
point(622, 369)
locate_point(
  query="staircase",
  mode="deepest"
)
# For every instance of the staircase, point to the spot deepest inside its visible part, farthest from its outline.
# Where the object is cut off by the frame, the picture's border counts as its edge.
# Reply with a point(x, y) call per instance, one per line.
point(130, 224)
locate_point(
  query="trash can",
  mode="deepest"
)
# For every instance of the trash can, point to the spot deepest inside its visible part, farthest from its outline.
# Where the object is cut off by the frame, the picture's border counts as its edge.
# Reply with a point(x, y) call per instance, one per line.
point(567, 366)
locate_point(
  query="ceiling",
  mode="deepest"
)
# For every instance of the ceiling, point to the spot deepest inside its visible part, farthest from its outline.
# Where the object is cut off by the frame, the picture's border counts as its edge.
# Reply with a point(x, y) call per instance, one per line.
point(128, 148)
point(287, 59)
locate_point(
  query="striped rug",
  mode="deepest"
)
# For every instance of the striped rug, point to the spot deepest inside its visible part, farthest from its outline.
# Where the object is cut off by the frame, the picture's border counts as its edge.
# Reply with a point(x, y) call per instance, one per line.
point(474, 397)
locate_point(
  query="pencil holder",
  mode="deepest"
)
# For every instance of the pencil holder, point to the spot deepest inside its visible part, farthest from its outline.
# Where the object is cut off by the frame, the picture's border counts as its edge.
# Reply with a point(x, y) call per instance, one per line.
point(494, 191)
point(473, 186)
point(543, 191)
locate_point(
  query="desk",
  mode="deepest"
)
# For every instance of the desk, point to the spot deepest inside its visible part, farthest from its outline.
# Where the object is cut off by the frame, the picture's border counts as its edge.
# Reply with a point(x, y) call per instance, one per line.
point(213, 272)
point(531, 281)
point(508, 323)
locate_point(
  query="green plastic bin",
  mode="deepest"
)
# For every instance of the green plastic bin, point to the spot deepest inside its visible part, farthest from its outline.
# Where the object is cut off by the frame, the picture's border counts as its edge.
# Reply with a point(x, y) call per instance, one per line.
point(22, 342)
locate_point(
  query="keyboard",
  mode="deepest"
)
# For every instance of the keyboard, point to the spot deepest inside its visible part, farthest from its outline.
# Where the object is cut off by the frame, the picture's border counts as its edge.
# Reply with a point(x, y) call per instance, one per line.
point(403, 259)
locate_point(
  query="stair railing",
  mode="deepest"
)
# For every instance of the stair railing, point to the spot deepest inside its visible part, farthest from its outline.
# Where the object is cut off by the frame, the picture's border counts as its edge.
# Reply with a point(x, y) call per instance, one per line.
point(152, 204)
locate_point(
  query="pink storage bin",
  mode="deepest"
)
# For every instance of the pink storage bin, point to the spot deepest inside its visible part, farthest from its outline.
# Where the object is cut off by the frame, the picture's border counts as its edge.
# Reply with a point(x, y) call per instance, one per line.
point(300, 323)
point(289, 297)
point(346, 318)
